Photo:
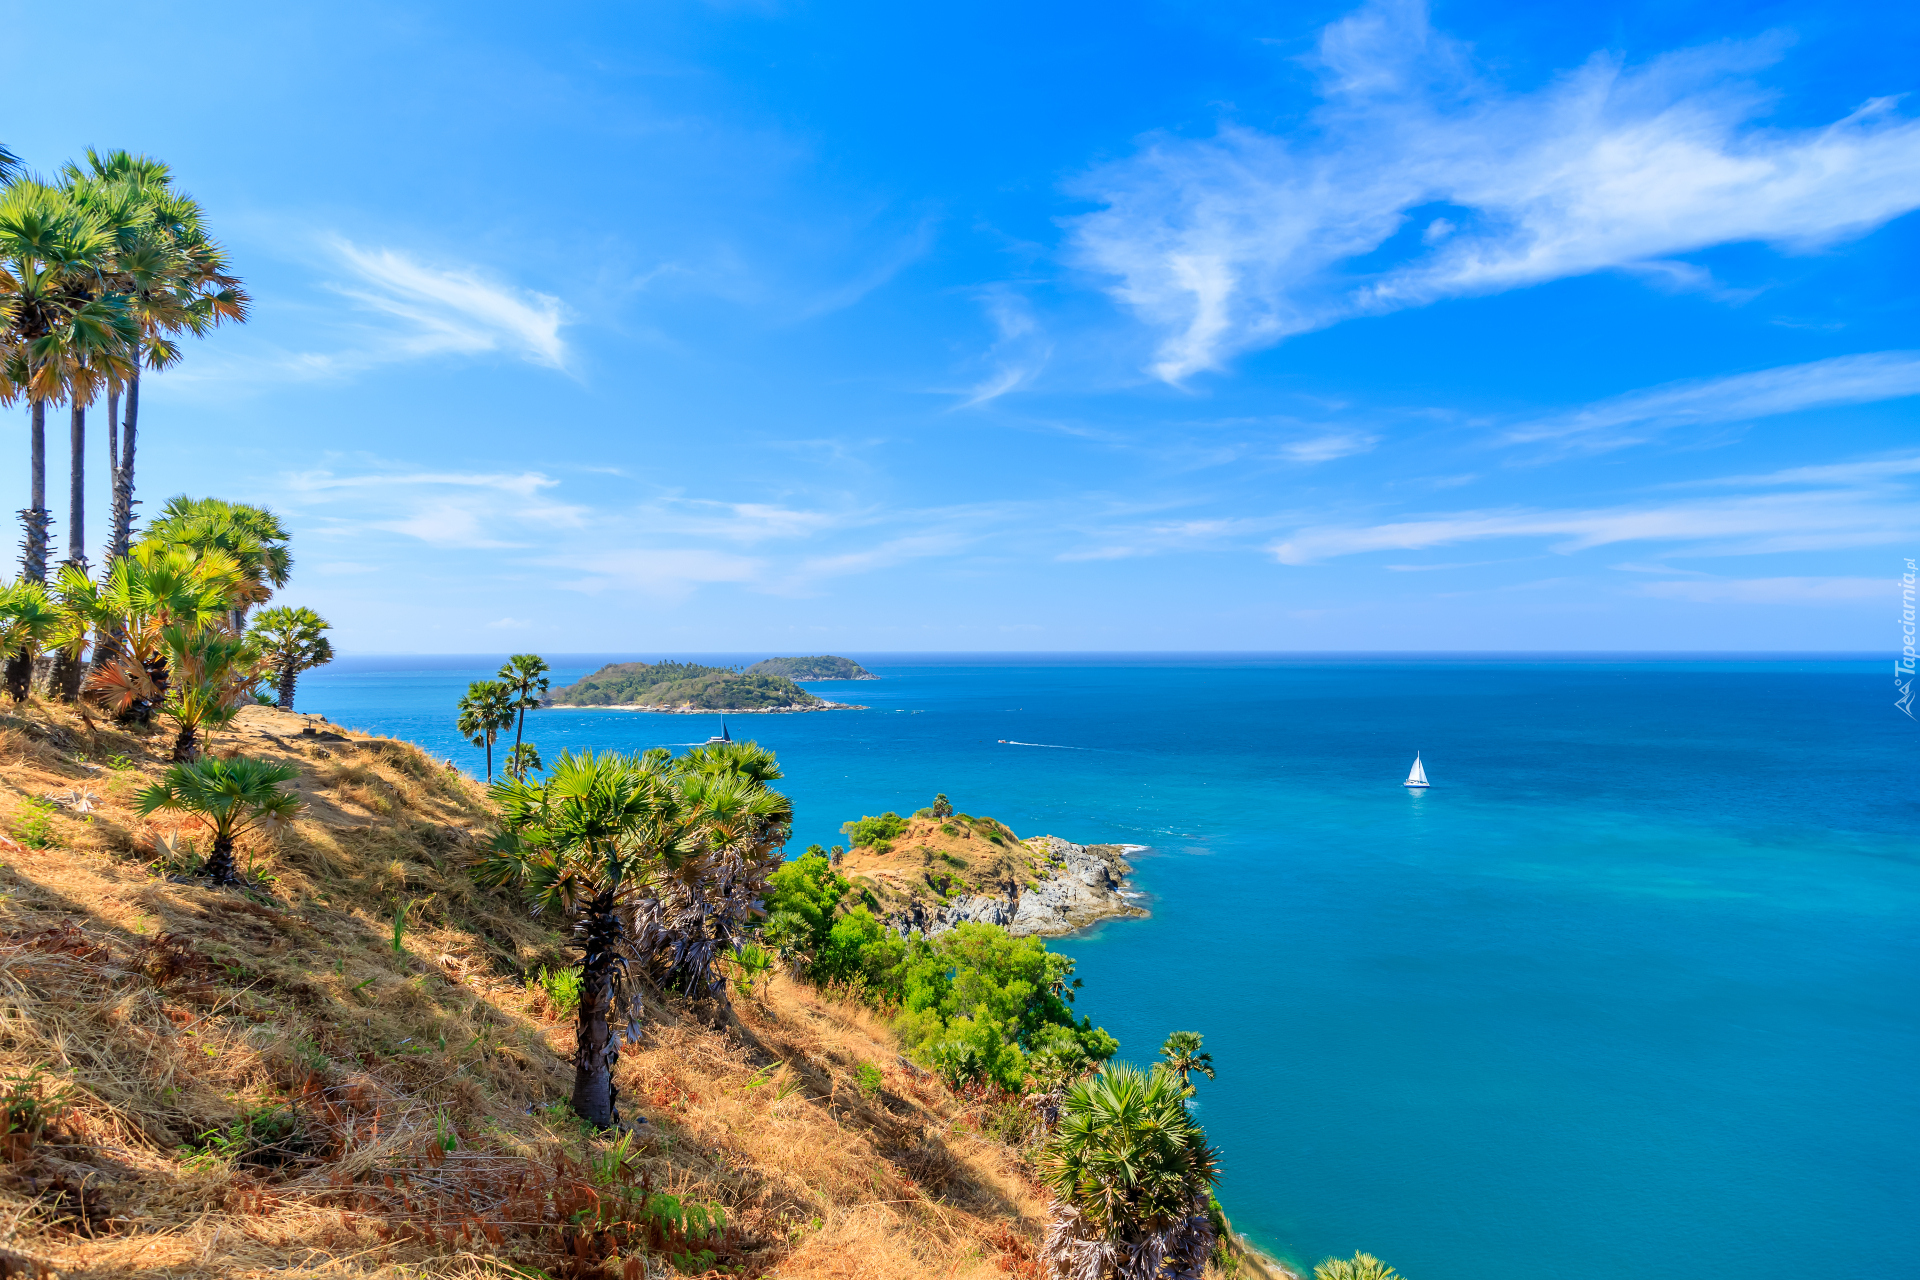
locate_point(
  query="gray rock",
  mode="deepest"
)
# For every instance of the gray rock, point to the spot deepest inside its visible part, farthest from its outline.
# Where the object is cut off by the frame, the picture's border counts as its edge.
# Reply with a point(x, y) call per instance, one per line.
point(1085, 886)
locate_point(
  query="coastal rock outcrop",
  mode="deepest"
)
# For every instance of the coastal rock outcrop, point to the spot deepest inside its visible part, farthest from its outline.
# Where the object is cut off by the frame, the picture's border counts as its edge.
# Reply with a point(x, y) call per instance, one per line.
point(1085, 885)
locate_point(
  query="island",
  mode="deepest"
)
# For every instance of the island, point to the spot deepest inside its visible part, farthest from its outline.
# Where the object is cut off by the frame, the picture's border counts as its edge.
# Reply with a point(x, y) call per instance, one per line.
point(927, 873)
point(821, 667)
point(688, 687)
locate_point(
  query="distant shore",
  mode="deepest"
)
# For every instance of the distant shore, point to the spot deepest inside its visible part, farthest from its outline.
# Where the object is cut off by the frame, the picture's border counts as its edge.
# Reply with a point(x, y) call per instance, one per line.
point(705, 711)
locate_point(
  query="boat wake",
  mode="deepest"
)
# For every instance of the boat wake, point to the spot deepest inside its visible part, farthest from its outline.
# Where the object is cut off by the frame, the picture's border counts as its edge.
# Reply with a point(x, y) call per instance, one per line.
point(1054, 746)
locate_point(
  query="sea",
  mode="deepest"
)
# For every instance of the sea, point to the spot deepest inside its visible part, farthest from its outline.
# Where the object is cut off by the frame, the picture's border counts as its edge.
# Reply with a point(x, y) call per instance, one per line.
point(1632, 990)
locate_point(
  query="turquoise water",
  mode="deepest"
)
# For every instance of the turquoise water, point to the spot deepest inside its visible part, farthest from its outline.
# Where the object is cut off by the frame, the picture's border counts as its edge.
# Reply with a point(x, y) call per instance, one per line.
point(1633, 991)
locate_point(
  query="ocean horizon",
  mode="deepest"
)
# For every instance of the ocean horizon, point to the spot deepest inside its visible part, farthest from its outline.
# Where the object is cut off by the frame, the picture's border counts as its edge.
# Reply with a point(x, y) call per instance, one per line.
point(1632, 989)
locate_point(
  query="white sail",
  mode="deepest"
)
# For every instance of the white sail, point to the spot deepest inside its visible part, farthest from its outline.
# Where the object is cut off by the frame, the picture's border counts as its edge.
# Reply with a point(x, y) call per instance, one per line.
point(1418, 777)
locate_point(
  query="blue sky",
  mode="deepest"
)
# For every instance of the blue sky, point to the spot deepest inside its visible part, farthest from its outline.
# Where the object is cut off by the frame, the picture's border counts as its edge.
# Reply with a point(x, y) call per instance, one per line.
point(805, 328)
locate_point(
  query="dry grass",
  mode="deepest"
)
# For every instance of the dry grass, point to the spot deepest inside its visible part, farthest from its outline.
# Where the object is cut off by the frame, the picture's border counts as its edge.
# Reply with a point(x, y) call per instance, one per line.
point(248, 1085)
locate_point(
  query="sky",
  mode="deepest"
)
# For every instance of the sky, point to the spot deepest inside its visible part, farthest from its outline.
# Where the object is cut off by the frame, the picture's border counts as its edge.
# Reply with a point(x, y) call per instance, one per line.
point(801, 328)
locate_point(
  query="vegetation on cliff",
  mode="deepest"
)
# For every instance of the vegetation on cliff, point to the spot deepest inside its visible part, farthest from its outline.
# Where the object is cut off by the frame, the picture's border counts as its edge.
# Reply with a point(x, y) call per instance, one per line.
point(820, 667)
point(682, 685)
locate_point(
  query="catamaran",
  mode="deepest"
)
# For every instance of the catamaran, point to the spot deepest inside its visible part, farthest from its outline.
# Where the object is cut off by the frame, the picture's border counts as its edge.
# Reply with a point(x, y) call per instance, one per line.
point(1418, 778)
point(721, 737)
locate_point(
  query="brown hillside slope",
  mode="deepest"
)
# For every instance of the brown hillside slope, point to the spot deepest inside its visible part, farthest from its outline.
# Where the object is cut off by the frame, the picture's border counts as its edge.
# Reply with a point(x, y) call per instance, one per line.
point(204, 1083)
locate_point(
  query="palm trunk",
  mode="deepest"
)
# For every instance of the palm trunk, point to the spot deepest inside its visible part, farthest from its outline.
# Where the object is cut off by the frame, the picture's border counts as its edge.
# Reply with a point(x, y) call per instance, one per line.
point(33, 565)
point(186, 748)
point(288, 674)
point(220, 868)
point(520, 728)
point(489, 757)
point(595, 1099)
point(122, 536)
point(77, 486)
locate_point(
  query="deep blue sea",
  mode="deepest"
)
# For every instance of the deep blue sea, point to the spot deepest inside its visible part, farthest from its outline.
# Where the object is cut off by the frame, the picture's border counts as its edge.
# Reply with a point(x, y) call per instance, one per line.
point(1634, 990)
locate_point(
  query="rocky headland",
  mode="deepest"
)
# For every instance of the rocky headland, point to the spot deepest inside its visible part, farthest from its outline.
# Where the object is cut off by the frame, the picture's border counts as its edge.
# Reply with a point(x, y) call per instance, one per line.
point(938, 872)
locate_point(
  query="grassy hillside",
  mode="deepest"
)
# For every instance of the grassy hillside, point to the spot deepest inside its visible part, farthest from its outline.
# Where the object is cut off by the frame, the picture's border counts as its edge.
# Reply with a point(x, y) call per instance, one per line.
point(684, 685)
point(898, 859)
point(348, 1072)
point(820, 667)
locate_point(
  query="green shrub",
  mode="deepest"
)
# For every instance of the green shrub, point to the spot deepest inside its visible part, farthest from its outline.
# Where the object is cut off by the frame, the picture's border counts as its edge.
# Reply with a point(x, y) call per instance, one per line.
point(867, 1077)
point(561, 987)
point(34, 828)
point(875, 832)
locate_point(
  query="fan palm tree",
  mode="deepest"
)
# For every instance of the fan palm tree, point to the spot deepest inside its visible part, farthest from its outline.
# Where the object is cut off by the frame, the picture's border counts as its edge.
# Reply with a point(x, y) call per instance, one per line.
point(212, 674)
point(61, 330)
point(152, 596)
point(1362, 1266)
point(176, 281)
point(1181, 1057)
point(581, 846)
point(291, 641)
point(10, 167)
point(253, 536)
point(486, 710)
point(231, 796)
point(31, 622)
point(526, 674)
point(1131, 1173)
point(523, 759)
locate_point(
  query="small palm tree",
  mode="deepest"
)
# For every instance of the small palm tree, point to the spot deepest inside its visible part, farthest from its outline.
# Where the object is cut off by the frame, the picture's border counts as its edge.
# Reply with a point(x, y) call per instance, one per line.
point(1182, 1057)
point(1131, 1173)
point(1362, 1266)
point(484, 712)
point(581, 846)
point(527, 675)
point(291, 640)
point(523, 758)
point(31, 622)
point(231, 796)
point(253, 536)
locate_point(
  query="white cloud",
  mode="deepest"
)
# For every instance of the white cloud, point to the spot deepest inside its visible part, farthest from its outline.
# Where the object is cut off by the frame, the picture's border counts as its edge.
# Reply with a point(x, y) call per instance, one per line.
point(1771, 590)
point(1632, 418)
point(669, 573)
point(1017, 355)
point(453, 309)
point(1237, 241)
point(469, 510)
point(1744, 525)
point(1335, 444)
point(743, 522)
point(509, 624)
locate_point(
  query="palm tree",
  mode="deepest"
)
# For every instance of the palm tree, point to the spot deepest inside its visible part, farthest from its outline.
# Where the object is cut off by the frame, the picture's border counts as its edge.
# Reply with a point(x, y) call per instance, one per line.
point(154, 596)
point(485, 711)
point(253, 536)
point(581, 845)
point(10, 167)
point(526, 674)
point(61, 330)
point(175, 280)
point(212, 674)
point(1362, 1266)
point(1131, 1174)
point(524, 758)
point(231, 796)
point(31, 622)
point(1182, 1057)
point(290, 640)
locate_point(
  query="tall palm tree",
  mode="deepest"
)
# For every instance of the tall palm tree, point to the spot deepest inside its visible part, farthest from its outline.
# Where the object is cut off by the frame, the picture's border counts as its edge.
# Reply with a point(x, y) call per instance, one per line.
point(176, 280)
point(62, 332)
point(1181, 1056)
point(485, 711)
point(10, 166)
point(526, 674)
point(581, 846)
point(291, 640)
point(252, 535)
point(231, 796)
point(1131, 1174)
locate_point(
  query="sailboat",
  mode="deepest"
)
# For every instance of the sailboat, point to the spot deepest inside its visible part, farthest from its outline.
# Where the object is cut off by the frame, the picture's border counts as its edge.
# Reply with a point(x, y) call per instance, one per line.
point(1417, 779)
point(724, 736)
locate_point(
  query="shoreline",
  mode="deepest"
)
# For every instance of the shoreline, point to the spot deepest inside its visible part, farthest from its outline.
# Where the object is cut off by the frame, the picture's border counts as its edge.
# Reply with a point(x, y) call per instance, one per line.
point(1088, 886)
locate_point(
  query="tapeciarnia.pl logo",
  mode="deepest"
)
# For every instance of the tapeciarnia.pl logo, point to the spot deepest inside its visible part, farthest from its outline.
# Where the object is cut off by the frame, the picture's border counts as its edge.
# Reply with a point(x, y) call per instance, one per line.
point(1903, 665)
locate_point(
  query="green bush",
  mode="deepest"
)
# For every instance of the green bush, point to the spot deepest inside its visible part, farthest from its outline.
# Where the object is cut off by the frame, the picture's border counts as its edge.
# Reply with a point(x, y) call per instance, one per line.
point(34, 828)
point(876, 833)
point(867, 1077)
point(561, 987)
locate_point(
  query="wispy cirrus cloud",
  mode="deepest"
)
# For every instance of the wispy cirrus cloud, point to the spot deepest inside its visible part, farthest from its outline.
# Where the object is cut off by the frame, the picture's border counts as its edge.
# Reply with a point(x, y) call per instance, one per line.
point(1017, 355)
point(1641, 415)
point(446, 509)
point(452, 309)
point(1747, 524)
point(1810, 591)
point(1237, 241)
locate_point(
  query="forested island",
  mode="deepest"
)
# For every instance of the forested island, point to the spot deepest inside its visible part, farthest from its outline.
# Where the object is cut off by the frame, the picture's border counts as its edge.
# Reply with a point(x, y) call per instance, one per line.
point(689, 686)
point(820, 667)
